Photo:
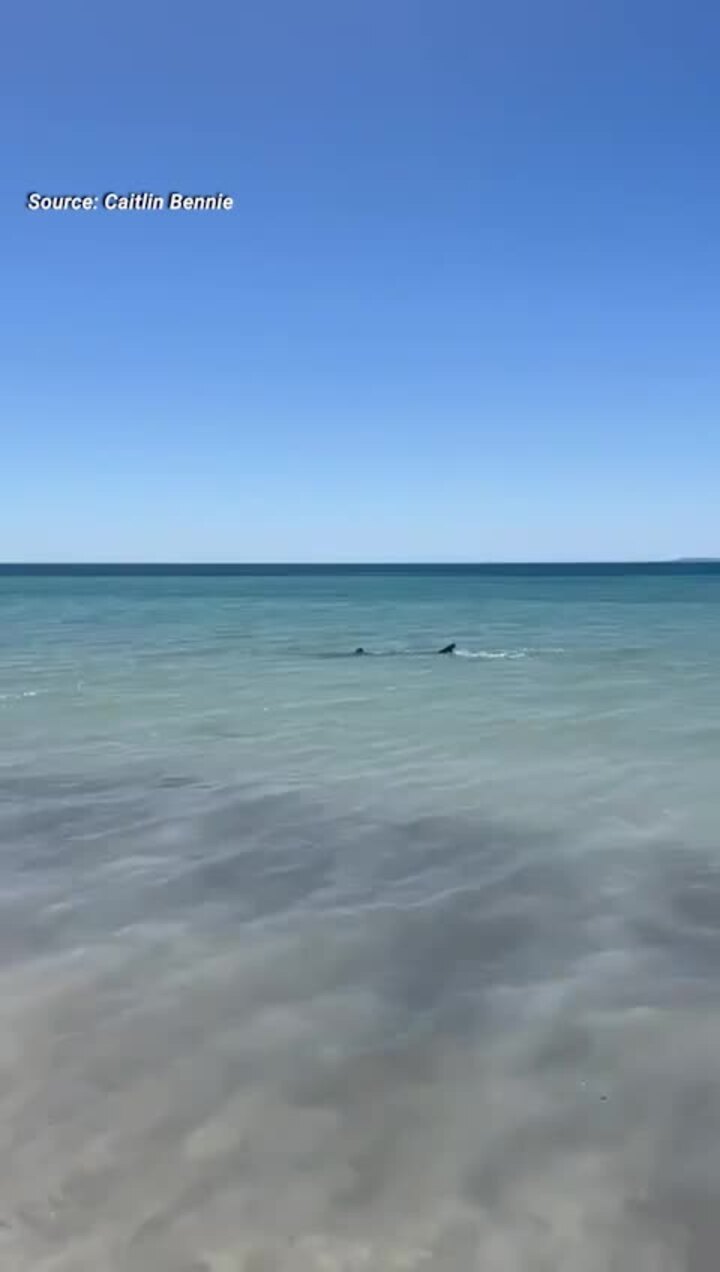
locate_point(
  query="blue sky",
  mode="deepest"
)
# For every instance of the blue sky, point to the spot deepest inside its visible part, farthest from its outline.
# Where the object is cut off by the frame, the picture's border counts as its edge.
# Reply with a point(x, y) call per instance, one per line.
point(466, 306)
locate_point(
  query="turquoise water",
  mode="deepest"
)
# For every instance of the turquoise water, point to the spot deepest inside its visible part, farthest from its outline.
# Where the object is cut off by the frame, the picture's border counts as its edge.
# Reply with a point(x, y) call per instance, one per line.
point(316, 961)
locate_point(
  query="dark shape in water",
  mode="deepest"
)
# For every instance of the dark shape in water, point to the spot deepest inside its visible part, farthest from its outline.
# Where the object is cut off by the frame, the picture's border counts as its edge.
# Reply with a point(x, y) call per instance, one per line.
point(359, 650)
point(448, 649)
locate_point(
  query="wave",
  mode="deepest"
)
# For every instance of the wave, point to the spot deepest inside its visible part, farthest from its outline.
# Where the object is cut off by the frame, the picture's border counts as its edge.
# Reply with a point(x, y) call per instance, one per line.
point(506, 653)
point(488, 654)
point(491, 653)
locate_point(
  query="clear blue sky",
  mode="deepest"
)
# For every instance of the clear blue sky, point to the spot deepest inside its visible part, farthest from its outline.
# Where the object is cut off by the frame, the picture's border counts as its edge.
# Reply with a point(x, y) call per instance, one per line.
point(466, 307)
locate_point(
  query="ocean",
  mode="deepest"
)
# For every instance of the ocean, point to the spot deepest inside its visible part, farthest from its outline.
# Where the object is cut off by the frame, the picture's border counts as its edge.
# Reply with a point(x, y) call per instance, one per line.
point(312, 962)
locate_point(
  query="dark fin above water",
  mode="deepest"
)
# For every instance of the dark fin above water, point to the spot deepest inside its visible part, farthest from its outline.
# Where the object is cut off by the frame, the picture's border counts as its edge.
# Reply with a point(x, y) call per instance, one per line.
point(448, 649)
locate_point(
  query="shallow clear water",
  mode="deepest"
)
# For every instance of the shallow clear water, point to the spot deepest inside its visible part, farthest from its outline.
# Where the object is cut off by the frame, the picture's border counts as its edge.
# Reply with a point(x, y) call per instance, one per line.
point(320, 962)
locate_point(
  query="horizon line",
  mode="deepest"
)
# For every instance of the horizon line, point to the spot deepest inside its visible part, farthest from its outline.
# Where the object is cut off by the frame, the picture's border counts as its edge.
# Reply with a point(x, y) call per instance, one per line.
point(351, 564)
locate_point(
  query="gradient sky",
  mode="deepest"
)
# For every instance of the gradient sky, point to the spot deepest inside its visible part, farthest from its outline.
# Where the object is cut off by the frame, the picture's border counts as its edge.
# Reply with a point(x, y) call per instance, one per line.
point(466, 307)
